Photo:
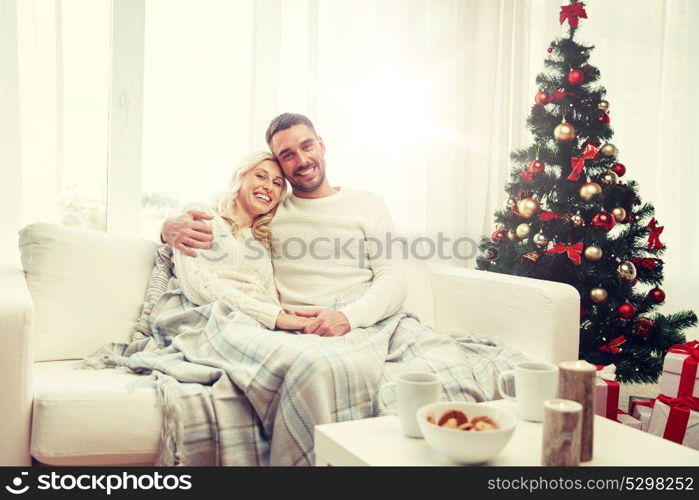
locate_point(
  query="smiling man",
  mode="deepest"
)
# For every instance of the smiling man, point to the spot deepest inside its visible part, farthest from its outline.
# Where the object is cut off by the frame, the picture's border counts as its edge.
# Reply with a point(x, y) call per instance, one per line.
point(323, 265)
point(330, 245)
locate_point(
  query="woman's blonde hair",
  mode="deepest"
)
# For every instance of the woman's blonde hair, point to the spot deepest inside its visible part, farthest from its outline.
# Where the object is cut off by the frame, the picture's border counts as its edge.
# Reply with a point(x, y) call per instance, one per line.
point(226, 202)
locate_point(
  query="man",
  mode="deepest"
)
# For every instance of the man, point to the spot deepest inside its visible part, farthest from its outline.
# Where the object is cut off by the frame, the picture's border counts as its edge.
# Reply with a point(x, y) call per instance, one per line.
point(321, 237)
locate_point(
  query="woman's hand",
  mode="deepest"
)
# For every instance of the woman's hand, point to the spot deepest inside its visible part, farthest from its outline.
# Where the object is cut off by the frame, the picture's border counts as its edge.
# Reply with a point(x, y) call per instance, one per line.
point(291, 322)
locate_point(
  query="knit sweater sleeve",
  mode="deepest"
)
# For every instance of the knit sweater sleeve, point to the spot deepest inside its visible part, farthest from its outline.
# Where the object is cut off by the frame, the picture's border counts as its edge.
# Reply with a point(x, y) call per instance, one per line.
point(203, 281)
point(387, 291)
point(211, 288)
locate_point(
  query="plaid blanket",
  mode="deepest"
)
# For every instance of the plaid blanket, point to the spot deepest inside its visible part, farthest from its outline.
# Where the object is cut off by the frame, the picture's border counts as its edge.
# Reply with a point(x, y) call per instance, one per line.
point(235, 393)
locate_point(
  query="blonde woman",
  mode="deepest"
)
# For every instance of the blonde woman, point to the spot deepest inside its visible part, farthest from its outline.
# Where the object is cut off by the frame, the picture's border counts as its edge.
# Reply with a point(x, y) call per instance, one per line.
point(236, 266)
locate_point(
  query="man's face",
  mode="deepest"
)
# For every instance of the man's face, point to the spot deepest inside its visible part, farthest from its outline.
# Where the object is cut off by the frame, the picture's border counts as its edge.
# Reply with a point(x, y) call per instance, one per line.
point(302, 156)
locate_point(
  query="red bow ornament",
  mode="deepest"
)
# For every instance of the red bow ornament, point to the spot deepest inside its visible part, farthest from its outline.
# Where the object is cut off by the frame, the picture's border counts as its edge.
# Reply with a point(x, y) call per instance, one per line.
point(573, 251)
point(655, 232)
point(578, 163)
point(613, 346)
point(572, 13)
point(648, 263)
point(548, 215)
point(558, 95)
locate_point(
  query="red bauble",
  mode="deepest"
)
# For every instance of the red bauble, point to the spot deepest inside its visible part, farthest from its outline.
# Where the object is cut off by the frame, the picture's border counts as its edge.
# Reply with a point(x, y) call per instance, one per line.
point(541, 98)
point(536, 166)
point(549, 50)
point(576, 77)
point(498, 235)
point(604, 118)
point(619, 169)
point(626, 311)
point(657, 295)
point(643, 327)
point(603, 220)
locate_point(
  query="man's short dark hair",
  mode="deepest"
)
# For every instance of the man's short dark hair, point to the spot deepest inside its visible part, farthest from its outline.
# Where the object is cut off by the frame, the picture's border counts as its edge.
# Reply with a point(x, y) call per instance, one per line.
point(285, 121)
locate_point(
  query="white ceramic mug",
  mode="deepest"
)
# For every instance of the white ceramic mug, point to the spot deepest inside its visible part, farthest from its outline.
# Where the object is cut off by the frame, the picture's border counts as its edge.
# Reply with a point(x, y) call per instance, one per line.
point(415, 390)
point(535, 382)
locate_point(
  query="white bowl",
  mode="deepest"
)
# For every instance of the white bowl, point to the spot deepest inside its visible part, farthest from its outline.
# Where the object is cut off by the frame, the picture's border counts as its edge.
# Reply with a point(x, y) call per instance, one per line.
point(466, 447)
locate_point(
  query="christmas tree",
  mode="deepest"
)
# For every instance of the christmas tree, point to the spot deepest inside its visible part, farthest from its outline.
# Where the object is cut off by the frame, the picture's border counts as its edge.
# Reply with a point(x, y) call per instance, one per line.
point(570, 218)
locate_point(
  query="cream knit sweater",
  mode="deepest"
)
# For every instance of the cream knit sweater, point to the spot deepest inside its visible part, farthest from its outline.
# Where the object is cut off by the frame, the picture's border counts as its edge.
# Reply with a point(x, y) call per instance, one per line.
point(236, 270)
point(331, 252)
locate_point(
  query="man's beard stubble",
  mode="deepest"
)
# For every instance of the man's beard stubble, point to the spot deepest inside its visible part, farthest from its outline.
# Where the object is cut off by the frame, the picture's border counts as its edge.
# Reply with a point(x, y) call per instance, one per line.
point(318, 183)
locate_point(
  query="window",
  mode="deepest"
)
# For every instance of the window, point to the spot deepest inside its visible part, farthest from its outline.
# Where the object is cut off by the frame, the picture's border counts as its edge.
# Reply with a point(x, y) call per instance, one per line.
point(83, 62)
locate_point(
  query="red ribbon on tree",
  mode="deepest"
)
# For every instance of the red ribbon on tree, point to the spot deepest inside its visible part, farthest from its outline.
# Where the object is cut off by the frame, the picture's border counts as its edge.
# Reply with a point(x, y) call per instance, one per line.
point(677, 419)
point(578, 163)
point(648, 263)
point(572, 13)
point(689, 366)
point(547, 215)
point(527, 175)
point(613, 346)
point(573, 251)
point(558, 95)
point(655, 232)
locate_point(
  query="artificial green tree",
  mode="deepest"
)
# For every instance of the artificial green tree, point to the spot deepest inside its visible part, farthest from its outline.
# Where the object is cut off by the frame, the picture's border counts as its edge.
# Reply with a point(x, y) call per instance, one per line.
point(570, 217)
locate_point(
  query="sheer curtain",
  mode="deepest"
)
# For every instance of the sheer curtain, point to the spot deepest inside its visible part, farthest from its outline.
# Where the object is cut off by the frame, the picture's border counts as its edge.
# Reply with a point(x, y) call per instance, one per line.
point(419, 100)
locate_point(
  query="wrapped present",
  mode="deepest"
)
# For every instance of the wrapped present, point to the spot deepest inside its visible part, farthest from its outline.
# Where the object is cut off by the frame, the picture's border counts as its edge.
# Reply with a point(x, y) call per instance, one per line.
point(628, 420)
point(641, 409)
point(680, 373)
point(676, 419)
point(606, 392)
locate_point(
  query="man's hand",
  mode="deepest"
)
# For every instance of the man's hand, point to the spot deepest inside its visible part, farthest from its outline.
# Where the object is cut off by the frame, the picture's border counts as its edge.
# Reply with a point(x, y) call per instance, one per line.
point(286, 321)
point(327, 323)
point(186, 231)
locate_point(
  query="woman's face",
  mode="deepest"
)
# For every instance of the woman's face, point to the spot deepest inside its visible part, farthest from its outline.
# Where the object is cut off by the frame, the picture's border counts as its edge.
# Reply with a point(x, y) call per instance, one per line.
point(261, 188)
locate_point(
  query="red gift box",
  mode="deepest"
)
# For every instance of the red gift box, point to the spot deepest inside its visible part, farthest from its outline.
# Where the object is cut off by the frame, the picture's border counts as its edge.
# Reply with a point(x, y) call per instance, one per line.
point(606, 392)
point(676, 419)
point(679, 376)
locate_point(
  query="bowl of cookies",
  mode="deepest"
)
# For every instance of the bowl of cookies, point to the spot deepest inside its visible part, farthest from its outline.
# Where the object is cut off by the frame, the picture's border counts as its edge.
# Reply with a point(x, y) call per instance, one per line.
point(466, 433)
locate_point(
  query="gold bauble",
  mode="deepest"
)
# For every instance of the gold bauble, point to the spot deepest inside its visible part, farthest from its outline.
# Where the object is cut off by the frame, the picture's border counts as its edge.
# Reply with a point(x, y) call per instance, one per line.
point(527, 207)
point(598, 295)
point(523, 230)
point(626, 270)
point(609, 177)
point(603, 105)
point(511, 235)
point(609, 150)
point(577, 220)
point(593, 253)
point(619, 214)
point(564, 132)
point(589, 190)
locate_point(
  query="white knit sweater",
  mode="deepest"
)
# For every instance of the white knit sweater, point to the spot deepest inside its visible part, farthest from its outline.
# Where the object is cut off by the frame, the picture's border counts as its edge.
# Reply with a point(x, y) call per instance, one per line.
point(237, 270)
point(318, 261)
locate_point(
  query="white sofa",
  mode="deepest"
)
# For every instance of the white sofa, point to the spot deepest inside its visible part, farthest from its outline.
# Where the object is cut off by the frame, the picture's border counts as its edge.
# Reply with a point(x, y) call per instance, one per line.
point(80, 289)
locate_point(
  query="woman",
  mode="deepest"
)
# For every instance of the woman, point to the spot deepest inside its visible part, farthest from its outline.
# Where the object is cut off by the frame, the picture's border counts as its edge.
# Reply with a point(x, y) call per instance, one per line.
point(238, 269)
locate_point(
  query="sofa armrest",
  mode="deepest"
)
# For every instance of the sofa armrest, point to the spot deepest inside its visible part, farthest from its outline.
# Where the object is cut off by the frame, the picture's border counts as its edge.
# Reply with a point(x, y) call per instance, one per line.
point(540, 318)
point(16, 358)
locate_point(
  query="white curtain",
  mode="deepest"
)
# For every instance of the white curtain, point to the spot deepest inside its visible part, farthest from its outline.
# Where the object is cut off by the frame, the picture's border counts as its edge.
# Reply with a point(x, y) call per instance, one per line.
point(419, 100)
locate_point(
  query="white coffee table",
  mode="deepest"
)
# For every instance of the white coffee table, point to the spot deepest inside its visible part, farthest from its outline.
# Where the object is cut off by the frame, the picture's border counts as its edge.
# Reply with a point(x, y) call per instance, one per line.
point(378, 441)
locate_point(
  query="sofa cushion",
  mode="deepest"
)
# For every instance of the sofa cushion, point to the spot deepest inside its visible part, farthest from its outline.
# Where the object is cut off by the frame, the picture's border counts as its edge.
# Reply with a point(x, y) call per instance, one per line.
point(87, 287)
point(92, 417)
